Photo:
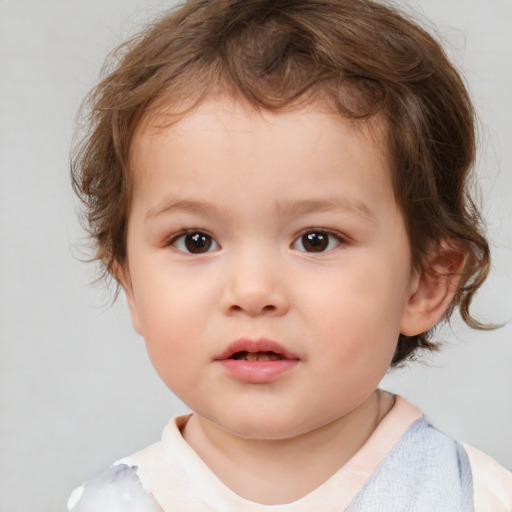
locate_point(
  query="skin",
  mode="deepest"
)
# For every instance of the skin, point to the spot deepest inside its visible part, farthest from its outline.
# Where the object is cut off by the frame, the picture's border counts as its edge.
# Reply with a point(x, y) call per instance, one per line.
point(253, 183)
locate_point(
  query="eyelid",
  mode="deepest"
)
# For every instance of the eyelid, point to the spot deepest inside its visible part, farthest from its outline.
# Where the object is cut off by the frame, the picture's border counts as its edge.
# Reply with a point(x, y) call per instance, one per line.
point(182, 233)
point(340, 238)
point(328, 231)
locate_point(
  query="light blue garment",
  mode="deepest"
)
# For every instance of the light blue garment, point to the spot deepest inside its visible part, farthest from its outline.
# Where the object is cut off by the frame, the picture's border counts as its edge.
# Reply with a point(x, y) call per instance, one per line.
point(425, 472)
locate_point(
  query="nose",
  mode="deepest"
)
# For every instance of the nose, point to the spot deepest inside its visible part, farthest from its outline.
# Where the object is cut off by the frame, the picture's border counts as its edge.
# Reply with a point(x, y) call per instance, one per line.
point(254, 286)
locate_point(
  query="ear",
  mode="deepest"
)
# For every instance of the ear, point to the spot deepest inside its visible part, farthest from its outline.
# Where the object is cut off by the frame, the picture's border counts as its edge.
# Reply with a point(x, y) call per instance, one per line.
point(122, 275)
point(434, 288)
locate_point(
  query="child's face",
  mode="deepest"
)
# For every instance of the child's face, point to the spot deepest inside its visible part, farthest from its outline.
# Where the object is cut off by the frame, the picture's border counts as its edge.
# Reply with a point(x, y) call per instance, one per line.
point(271, 233)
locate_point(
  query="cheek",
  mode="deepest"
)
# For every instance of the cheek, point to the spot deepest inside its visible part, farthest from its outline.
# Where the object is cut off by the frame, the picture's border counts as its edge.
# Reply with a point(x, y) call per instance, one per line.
point(173, 340)
point(356, 318)
point(168, 319)
point(365, 296)
point(170, 299)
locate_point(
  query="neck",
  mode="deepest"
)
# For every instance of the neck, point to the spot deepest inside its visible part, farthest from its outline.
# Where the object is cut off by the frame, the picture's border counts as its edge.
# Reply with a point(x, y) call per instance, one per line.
point(251, 467)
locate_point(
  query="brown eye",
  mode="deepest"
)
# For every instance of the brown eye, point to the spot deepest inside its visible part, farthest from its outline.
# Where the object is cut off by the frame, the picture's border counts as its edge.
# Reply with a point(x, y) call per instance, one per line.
point(198, 242)
point(317, 241)
point(195, 242)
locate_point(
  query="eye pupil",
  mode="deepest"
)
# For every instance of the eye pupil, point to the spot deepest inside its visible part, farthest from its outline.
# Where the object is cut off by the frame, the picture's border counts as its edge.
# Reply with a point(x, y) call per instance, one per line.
point(198, 242)
point(315, 242)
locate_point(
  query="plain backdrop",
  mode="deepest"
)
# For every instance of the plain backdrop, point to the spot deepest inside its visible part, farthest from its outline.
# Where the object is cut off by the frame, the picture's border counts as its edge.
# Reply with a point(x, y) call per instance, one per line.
point(77, 389)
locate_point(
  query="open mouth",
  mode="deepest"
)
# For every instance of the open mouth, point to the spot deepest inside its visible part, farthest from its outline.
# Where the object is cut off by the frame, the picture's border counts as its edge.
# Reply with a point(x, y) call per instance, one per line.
point(244, 355)
point(259, 361)
point(261, 349)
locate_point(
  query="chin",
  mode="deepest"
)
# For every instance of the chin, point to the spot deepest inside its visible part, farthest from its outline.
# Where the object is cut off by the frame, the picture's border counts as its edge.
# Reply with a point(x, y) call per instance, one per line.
point(265, 428)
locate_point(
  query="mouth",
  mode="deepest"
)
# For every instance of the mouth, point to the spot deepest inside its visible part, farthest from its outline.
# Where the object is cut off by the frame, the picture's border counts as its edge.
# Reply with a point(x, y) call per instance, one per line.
point(256, 350)
point(244, 355)
point(257, 361)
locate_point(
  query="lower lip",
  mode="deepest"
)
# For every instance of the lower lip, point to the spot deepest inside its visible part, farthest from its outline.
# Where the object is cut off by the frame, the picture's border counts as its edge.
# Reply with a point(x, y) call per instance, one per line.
point(257, 372)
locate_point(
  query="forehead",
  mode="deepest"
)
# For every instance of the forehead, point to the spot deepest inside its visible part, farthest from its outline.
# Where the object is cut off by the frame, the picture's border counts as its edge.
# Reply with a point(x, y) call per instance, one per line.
point(225, 121)
point(223, 143)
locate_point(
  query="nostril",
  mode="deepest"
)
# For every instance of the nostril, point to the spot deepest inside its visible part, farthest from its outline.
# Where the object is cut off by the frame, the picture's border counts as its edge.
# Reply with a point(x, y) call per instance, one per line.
point(254, 297)
point(253, 309)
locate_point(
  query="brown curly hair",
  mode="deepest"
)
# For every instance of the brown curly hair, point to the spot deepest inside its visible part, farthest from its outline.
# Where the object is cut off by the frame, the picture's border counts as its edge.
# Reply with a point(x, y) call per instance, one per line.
point(364, 58)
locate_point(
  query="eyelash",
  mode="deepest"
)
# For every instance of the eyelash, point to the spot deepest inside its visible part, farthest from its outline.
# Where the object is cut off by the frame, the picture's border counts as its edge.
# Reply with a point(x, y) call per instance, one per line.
point(330, 236)
point(316, 237)
point(181, 235)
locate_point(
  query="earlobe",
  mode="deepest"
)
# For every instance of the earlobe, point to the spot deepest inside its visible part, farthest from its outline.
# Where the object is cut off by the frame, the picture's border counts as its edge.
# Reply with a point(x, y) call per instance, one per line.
point(434, 289)
point(122, 275)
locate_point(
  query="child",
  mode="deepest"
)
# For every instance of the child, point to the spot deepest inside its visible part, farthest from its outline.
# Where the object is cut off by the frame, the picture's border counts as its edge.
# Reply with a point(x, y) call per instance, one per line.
point(281, 189)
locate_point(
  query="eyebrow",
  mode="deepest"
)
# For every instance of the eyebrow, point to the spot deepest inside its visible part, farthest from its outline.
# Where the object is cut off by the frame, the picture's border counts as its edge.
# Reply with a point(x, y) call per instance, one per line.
point(334, 204)
point(284, 208)
point(186, 205)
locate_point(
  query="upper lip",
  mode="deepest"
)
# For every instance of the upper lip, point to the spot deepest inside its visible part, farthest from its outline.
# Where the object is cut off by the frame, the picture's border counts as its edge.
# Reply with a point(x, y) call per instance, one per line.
point(259, 345)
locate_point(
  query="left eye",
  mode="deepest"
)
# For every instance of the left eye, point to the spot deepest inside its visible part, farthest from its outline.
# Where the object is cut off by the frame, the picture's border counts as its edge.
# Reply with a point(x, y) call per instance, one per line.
point(195, 242)
point(317, 241)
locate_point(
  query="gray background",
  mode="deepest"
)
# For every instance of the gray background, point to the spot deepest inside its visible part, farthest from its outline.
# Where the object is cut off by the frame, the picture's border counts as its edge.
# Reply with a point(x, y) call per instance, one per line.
point(77, 389)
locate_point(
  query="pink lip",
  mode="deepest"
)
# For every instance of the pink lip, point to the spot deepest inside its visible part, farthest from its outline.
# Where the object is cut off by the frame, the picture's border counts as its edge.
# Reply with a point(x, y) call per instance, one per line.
point(256, 372)
point(261, 345)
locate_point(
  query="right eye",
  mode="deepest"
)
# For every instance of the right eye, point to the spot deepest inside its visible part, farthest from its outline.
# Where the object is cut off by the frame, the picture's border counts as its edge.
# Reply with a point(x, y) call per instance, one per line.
point(194, 242)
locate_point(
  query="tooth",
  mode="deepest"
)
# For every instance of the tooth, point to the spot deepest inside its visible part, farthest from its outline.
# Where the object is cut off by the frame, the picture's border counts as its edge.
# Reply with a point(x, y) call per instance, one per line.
point(261, 356)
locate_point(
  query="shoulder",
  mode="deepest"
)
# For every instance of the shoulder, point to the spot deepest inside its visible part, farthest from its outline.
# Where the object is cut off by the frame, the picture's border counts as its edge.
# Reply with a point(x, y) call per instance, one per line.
point(116, 489)
point(130, 484)
point(492, 483)
point(487, 482)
